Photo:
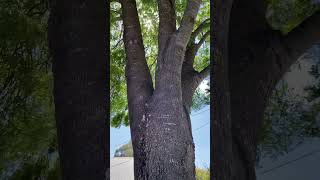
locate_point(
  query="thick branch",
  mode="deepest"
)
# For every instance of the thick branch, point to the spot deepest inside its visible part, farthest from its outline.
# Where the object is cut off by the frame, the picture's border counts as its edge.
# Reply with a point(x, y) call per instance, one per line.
point(137, 72)
point(203, 38)
point(283, 51)
point(139, 82)
point(204, 73)
point(191, 53)
point(169, 62)
point(167, 21)
point(303, 37)
point(185, 30)
point(200, 28)
point(190, 82)
point(189, 57)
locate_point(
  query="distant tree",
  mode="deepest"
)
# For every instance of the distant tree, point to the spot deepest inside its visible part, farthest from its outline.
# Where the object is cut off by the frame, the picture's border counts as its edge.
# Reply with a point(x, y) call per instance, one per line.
point(124, 151)
point(202, 174)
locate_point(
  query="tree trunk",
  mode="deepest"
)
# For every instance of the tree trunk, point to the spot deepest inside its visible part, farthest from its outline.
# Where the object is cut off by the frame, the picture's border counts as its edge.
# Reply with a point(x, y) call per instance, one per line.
point(165, 146)
point(258, 58)
point(168, 142)
point(163, 143)
point(77, 41)
point(221, 135)
point(159, 117)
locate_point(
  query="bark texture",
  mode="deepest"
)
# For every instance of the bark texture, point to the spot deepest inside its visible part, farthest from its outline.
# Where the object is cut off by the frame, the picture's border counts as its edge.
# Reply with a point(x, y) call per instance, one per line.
point(221, 135)
point(258, 58)
point(159, 116)
point(77, 41)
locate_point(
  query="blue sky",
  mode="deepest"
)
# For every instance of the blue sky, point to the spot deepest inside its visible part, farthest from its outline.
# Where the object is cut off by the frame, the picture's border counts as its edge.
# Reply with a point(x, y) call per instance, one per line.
point(201, 134)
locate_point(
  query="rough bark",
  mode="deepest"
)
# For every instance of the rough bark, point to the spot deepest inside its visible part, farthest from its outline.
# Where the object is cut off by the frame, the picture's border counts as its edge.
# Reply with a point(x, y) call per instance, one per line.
point(167, 22)
point(221, 135)
point(77, 40)
point(258, 58)
point(139, 84)
point(159, 120)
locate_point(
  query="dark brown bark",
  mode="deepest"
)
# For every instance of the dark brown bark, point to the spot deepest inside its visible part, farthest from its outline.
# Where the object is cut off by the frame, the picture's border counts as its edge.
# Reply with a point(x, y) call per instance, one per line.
point(221, 137)
point(258, 58)
point(159, 119)
point(77, 41)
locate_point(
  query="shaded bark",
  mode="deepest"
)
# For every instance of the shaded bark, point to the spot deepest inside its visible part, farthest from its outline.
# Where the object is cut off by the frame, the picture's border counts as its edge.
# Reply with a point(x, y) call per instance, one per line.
point(77, 40)
point(258, 58)
point(221, 135)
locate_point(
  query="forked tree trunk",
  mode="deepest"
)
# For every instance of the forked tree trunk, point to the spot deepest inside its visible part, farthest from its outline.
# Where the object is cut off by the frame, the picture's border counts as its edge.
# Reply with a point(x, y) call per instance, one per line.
point(258, 57)
point(162, 141)
point(159, 117)
point(77, 42)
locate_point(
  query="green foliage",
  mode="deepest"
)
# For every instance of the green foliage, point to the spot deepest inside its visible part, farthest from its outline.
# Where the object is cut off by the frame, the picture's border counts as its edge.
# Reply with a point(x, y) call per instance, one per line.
point(314, 90)
point(148, 15)
point(124, 151)
point(291, 119)
point(202, 174)
point(285, 15)
point(42, 168)
point(201, 98)
point(288, 121)
point(27, 126)
point(283, 124)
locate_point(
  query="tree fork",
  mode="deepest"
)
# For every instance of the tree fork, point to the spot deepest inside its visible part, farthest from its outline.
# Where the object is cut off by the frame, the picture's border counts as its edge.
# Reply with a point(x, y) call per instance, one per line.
point(158, 119)
point(258, 58)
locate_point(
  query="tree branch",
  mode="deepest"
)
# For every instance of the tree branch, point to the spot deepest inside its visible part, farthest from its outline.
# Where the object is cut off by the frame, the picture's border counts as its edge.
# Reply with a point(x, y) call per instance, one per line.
point(167, 21)
point(119, 41)
point(200, 28)
point(203, 38)
point(185, 30)
point(192, 51)
point(189, 57)
point(302, 37)
point(137, 72)
point(204, 73)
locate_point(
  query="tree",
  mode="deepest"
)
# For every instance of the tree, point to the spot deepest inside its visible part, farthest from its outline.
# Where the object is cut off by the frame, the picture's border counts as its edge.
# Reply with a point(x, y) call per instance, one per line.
point(160, 99)
point(289, 120)
point(202, 174)
point(124, 151)
point(255, 44)
point(27, 127)
point(77, 33)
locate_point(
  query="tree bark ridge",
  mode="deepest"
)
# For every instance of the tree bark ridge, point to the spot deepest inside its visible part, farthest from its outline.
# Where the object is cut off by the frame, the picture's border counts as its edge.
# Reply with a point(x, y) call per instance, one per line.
point(80, 86)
